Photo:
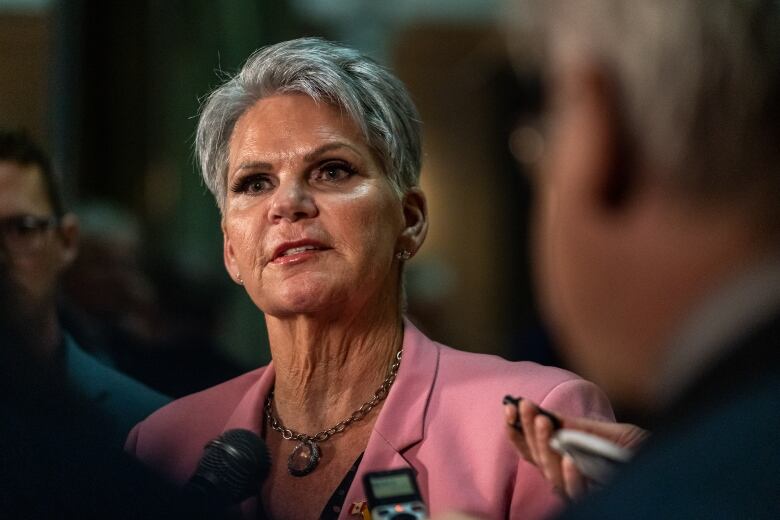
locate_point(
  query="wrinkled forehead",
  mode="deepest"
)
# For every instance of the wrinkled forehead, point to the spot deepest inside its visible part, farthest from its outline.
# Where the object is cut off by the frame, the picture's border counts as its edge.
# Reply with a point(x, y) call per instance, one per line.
point(291, 124)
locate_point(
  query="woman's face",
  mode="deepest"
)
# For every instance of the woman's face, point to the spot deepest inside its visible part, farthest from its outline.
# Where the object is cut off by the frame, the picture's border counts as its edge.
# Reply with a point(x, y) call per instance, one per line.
point(311, 222)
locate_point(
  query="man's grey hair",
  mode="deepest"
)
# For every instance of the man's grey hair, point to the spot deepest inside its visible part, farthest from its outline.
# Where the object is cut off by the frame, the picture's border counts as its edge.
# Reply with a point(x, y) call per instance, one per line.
point(697, 82)
point(368, 93)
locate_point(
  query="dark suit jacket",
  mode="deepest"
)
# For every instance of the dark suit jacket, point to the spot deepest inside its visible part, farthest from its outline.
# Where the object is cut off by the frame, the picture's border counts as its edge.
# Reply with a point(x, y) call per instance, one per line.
point(716, 452)
point(59, 455)
point(122, 400)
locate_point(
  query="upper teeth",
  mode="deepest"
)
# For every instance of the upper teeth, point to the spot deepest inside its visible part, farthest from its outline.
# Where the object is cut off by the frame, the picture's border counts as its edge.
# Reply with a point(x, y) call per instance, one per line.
point(296, 250)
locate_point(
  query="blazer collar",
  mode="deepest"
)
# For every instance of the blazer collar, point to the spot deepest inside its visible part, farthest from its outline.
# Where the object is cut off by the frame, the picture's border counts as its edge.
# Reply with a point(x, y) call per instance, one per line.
point(401, 422)
point(249, 413)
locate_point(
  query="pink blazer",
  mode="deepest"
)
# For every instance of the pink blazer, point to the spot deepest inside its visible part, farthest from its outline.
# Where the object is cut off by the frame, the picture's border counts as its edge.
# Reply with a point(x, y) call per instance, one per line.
point(443, 417)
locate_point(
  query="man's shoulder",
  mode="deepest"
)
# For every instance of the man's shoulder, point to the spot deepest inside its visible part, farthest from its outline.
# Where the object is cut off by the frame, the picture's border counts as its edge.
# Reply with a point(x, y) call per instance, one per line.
point(716, 462)
point(124, 399)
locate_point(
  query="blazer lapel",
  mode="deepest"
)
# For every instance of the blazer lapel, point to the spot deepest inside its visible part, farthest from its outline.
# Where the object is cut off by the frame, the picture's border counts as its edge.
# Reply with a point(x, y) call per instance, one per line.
point(401, 422)
point(249, 416)
point(400, 425)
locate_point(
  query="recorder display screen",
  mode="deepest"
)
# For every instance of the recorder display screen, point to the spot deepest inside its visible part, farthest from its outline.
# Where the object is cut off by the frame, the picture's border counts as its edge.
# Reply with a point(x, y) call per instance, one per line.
point(392, 486)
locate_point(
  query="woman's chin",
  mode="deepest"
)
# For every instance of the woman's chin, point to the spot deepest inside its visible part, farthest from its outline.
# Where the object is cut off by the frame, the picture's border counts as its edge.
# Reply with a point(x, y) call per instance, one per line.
point(325, 294)
point(302, 302)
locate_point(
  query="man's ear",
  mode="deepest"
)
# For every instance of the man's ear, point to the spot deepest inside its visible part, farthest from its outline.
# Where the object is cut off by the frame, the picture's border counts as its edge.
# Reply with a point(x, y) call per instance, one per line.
point(415, 212)
point(69, 237)
point(603, 149)
point(229, 257)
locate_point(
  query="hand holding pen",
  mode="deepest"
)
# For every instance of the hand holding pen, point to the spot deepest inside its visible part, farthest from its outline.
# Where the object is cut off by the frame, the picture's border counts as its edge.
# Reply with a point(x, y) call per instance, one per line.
point(571, 452)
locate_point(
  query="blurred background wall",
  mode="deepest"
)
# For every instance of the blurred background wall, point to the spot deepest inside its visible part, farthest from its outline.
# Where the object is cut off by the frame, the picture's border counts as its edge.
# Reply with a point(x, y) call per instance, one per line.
point(112, 88)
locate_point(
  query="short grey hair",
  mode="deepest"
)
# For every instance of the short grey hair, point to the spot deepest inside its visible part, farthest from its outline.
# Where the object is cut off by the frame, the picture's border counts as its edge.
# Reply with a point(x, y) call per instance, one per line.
point(698, 82)
point(368, 93)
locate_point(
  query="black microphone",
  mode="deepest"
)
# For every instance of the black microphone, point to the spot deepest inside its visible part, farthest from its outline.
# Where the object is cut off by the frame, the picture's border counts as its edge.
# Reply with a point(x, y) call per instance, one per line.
point(231, 470)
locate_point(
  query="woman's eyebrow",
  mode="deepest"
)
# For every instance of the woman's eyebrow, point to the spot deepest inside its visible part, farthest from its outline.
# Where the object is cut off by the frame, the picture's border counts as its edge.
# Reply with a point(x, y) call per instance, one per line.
point(310, 156)
point(253, 165)
point(317, 152)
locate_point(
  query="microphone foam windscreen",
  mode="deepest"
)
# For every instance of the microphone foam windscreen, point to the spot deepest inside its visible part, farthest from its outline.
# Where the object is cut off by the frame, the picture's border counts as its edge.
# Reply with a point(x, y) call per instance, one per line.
point(235, 463)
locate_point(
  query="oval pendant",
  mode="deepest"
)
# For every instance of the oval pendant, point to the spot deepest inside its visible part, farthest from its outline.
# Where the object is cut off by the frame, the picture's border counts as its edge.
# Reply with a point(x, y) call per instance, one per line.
point(303, 459)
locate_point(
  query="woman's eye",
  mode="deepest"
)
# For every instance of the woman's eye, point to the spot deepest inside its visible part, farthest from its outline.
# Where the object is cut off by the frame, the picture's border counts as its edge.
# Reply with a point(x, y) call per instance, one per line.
point(253, 184)
point(333, 172)
point(256, 186)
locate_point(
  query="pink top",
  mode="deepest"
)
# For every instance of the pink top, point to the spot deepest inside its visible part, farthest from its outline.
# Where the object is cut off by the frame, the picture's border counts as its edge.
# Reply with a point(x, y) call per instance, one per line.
point(443, 417)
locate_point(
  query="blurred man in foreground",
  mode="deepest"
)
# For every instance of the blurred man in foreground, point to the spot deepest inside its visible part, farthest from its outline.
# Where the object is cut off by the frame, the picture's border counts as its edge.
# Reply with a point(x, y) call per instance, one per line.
point(657, 227)
point(39, 241)
point(58, 459)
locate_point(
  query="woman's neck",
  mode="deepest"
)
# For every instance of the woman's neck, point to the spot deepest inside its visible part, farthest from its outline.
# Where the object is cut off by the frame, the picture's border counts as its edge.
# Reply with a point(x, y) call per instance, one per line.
point(327, 369)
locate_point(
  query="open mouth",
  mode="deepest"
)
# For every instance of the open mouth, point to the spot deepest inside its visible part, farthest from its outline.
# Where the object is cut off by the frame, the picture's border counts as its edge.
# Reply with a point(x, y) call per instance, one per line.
point(290, 250)
point(296, 250)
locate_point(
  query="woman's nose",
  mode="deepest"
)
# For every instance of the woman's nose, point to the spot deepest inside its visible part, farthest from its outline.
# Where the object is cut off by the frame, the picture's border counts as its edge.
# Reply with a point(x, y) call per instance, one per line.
point(292, 201)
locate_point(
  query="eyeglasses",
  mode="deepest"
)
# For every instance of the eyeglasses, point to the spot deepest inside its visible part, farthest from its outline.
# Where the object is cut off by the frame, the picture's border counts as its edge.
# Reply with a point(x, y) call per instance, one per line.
point(22, 234)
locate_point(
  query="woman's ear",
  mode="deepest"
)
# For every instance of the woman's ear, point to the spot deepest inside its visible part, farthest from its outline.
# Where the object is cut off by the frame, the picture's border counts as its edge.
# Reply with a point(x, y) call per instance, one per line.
point(229, 257)
point(415, 212)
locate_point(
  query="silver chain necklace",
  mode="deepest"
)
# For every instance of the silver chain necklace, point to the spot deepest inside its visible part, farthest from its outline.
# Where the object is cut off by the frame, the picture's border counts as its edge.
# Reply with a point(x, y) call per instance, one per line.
point(306, 454)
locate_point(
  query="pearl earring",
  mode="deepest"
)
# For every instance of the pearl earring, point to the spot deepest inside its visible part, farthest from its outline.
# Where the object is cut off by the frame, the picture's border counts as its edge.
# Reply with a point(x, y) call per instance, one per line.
point(240, 280)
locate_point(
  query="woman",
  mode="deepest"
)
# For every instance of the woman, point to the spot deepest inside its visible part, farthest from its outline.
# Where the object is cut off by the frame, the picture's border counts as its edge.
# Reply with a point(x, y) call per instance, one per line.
point(313, 154)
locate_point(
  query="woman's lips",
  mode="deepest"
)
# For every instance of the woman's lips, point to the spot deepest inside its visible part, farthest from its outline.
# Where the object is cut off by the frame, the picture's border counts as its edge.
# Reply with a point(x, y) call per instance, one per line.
point(293, 252)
